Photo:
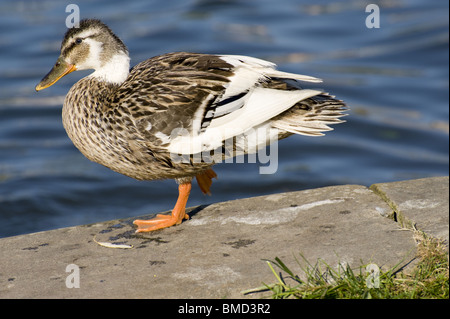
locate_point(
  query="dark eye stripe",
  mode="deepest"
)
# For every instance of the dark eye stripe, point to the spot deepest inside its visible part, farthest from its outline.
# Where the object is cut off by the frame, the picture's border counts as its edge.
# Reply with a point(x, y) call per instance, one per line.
point(75, 42)
point(68, 49)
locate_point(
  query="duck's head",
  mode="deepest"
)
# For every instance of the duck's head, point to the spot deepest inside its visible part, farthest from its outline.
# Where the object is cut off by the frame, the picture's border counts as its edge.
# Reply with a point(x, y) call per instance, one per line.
point(90, 46)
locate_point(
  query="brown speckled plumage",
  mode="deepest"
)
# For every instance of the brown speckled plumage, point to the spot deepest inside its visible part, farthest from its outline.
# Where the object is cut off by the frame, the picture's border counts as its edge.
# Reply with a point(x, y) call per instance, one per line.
point(107, 123)
point(125, 119)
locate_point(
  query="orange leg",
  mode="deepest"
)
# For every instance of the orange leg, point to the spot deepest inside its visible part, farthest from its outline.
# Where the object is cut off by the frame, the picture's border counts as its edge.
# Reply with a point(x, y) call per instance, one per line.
point(163, 221)
point(204, 180)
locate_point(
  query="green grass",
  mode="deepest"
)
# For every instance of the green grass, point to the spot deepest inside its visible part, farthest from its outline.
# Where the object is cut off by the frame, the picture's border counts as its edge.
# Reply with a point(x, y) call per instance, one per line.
point(428, 280)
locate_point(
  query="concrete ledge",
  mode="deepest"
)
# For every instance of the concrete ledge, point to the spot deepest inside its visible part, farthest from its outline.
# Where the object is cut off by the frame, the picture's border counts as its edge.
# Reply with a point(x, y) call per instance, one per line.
point(420, 203)
point(221, 250)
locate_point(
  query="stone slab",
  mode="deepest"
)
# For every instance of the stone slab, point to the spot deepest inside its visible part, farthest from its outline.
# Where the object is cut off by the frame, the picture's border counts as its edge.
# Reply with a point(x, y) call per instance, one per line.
point(421, 203)
point(221, 251)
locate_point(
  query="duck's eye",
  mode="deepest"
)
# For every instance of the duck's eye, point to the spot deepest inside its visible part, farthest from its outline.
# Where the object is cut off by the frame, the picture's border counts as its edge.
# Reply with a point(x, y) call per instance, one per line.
point(78, 40)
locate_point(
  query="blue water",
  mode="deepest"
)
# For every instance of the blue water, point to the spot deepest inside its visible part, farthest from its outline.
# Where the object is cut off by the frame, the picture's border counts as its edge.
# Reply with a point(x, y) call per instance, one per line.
point(394, 78)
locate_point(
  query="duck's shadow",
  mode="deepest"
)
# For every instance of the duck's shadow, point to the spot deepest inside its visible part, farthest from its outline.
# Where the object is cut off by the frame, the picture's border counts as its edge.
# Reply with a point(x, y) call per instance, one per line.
point(123, 231)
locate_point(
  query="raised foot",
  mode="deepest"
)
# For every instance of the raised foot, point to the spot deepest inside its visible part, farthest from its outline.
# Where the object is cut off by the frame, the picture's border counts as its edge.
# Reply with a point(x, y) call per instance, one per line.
point(159, 222)
point(204, 180)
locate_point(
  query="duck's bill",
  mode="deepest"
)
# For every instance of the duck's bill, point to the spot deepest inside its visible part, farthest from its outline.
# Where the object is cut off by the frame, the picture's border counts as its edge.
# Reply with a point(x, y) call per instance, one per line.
point(60, 69)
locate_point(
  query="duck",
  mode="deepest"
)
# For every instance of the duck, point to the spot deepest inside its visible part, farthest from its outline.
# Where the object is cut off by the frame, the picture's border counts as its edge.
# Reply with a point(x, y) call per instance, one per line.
point(176, 115)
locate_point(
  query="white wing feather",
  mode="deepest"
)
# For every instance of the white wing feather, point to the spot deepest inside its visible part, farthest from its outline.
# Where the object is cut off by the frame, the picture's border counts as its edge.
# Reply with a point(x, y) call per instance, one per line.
point(259, 104)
